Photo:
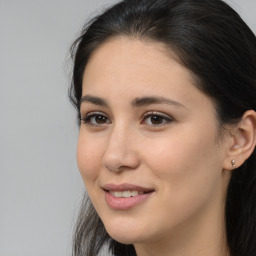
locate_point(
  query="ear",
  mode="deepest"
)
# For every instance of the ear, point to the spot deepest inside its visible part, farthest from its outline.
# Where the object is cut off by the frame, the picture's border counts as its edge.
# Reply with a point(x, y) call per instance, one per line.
point(242, 142)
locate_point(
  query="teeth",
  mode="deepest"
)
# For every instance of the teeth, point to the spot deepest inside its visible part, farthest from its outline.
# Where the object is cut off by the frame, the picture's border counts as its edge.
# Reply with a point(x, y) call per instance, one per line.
point(126, 194)
point(135, 193)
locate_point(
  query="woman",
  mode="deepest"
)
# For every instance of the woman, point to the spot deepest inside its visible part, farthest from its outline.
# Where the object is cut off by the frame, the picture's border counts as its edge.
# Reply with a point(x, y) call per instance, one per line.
point(165, 92)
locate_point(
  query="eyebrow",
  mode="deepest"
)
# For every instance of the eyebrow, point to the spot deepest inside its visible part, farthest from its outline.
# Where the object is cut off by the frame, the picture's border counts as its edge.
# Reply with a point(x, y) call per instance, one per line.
point(137, 102)
point(144, 101)
point(94, 100)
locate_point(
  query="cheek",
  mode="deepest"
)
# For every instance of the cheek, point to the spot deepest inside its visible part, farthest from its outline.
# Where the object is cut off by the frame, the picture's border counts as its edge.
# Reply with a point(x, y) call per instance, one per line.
point(186, 174)
point(187, 161)
point(88, 158)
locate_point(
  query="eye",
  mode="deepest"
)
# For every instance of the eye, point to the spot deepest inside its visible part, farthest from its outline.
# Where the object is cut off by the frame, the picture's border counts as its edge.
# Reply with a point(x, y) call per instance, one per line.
point(156, 119)
point(95, 119)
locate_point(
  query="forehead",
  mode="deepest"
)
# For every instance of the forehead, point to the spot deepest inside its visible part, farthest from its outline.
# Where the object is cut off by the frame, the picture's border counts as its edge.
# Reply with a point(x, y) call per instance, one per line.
point(123, 59)
point(132, 65)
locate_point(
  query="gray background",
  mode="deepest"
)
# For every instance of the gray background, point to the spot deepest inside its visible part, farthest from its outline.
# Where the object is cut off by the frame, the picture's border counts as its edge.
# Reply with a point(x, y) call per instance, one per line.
point(40, 187)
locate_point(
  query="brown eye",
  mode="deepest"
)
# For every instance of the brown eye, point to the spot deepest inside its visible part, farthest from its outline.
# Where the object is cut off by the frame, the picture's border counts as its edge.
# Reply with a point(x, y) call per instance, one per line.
point(99, 119)
point(96, 119)
point(155, 119)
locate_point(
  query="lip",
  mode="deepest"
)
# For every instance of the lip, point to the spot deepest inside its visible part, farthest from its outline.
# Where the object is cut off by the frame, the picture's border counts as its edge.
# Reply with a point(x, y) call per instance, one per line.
point(125, 186)
point(121, 203)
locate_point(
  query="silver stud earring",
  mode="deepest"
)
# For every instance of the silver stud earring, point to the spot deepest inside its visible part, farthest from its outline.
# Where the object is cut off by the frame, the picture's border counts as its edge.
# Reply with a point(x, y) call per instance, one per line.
point(233, 162)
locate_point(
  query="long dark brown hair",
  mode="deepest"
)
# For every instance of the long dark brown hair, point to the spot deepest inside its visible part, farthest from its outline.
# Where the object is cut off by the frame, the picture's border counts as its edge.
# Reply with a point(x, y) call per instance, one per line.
point(215, 44)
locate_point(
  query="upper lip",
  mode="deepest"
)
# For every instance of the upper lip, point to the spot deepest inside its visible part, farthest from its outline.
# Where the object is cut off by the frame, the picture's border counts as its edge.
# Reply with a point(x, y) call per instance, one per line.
point(125, 187)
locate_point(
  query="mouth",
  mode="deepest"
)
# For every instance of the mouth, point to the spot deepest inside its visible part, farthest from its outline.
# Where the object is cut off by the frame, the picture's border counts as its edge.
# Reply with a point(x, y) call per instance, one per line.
point(126, 190)
point(126, 193)
point(125, 196)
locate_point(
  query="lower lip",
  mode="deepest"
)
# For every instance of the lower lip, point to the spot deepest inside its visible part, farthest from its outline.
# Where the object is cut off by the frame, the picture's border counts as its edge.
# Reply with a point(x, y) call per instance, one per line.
point(122, 203)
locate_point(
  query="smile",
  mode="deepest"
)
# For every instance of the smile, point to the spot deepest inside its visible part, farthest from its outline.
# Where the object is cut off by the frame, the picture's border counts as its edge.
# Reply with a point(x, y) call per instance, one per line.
point(126, 193)
point(125, 196)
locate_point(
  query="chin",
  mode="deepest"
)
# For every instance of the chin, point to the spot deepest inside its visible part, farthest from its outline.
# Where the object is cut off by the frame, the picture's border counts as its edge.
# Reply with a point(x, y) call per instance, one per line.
point(125, 233)
point(123, 239)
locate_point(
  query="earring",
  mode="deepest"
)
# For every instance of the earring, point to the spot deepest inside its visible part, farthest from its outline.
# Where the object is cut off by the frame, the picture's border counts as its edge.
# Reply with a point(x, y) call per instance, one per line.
point(233, 162)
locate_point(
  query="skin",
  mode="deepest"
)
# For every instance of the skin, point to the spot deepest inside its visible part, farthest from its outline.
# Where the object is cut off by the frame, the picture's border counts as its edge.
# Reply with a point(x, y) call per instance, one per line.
point(181, 157)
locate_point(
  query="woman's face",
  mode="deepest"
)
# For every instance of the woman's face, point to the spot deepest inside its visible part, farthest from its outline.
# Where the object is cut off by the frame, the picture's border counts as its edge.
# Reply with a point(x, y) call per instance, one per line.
point(148, 148)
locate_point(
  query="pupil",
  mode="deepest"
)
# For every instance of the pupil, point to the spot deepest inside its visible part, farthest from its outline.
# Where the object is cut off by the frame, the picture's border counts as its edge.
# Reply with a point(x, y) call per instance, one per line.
point(156, 119)
point(100, 119)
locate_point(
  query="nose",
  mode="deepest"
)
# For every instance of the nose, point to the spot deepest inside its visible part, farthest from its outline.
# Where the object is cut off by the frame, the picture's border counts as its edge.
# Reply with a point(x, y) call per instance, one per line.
point(120, 153)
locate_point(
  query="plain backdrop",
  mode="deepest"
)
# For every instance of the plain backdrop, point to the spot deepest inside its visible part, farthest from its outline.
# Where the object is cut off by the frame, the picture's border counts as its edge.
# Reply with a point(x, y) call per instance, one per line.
point(40, 186)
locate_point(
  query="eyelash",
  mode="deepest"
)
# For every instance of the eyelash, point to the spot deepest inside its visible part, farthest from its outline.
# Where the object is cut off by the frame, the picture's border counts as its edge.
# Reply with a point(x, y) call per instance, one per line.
point(166, 119)
point(87, 119)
